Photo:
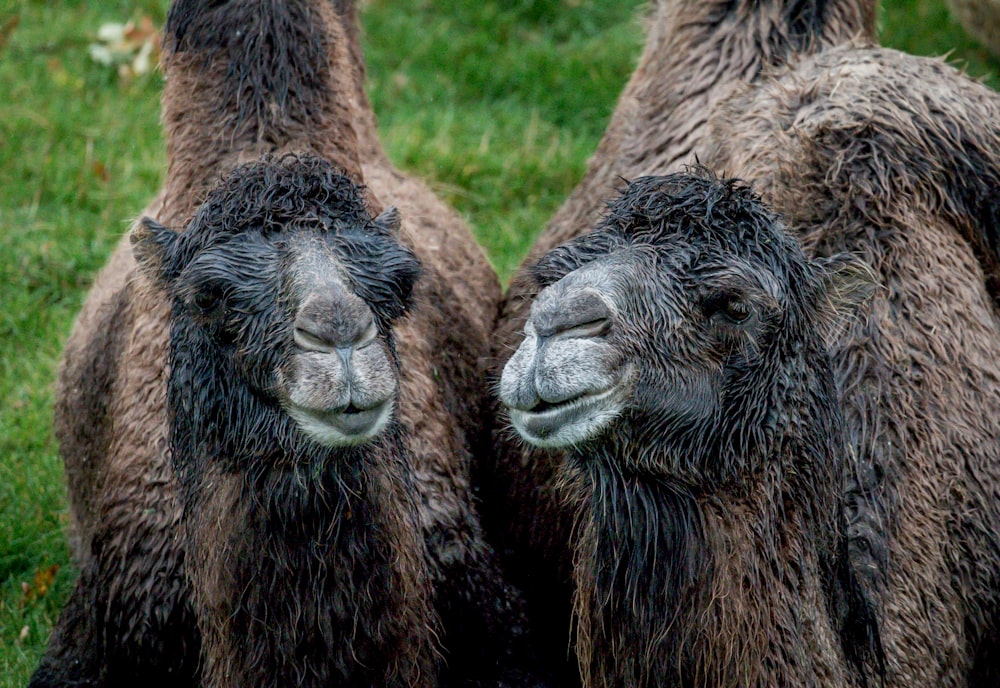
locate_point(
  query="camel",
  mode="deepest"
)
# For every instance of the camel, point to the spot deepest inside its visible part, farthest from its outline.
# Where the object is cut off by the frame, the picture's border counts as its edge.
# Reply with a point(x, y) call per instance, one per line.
point(892, 158)
point(304, 557)
point(287, 77)
point(678, 355)
point(695, 54)
point(896, 159)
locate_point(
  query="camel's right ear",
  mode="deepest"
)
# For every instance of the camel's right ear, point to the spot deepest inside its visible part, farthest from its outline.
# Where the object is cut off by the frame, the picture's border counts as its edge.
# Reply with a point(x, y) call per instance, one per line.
point(390, 220)
point(152, 246)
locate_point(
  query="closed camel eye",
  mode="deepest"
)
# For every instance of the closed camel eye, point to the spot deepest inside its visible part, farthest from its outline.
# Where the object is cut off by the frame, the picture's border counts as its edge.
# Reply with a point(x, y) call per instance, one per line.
point(732, 308)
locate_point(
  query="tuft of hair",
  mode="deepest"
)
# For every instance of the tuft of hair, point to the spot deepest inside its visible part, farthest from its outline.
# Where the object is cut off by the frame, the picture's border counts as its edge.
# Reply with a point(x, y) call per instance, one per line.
point(275, 50)
point(694, 204)
point(297, 191)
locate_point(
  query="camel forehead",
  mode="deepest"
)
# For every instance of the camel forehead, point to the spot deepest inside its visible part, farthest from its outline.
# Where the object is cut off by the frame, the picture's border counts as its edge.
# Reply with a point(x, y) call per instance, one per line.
point(645, 267)
point(316, 258)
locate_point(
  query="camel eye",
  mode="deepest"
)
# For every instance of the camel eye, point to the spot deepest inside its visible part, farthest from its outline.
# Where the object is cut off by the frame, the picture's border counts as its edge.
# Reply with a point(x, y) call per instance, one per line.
point(738, 311)
point(207, 299)
point(729, 307)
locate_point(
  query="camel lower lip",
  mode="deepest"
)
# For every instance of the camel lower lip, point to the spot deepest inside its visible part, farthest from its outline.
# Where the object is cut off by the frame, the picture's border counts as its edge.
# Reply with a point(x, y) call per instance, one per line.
point(354, 422)
point(540, 426)
point(342, 427)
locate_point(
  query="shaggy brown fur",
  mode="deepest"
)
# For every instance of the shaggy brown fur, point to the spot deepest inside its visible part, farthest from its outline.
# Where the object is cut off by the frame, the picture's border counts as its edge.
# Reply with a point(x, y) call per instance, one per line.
point(704, 438)
point(981, 18)
point(897, 159)
point(696, 52)
point(305, 562)
point(231, 98)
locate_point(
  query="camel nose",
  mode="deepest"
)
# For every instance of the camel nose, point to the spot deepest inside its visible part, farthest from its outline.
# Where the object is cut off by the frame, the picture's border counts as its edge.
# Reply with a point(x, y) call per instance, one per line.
point(580, 313)
point(329, 323)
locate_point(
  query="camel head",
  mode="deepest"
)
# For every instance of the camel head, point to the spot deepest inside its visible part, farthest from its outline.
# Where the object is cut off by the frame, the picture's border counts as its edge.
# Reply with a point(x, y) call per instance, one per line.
point(284, 288)
point(680, 333)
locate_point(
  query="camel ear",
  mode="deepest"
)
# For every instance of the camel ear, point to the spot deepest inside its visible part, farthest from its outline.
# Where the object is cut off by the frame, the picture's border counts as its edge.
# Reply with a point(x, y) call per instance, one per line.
point(848, 286)
point(152, 246)
point(390, 220)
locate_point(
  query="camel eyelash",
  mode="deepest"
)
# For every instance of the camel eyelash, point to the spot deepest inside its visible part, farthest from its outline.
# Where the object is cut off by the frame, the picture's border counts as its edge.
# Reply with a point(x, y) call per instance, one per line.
point(733, 306)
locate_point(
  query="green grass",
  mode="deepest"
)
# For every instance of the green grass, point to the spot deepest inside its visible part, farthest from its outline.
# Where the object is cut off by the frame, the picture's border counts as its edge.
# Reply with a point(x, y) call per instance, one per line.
point(497, 103)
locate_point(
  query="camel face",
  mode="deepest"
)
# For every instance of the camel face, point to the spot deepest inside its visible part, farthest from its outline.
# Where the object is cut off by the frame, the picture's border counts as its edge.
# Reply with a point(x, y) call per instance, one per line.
point(675, 325)
point(294, 301)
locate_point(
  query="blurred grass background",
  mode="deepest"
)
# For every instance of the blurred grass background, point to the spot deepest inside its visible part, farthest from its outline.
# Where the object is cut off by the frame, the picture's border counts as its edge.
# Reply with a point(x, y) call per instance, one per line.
point(498, 103)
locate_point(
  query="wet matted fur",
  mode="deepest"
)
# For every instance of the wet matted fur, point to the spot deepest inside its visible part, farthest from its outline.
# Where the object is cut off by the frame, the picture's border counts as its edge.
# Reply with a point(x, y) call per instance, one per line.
point(896, 159)
point(696, 52)
point(111, 403)
point(864, 151)
point(711, 547)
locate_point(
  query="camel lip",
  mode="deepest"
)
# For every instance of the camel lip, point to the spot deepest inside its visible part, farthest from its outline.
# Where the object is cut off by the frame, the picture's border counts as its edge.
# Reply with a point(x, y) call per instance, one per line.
point(345, 426)
point(544, 428)
point(354, 420)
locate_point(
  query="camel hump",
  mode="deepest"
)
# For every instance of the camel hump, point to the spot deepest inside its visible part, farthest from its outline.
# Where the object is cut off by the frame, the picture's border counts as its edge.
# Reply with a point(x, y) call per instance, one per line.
point(274, 54)
point(894, 128)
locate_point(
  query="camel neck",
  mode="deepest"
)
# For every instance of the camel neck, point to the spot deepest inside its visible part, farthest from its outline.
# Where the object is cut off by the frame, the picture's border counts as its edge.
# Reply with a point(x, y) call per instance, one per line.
point(740, 587)
point(247, 79)
point(315, 568)
point(314, 556)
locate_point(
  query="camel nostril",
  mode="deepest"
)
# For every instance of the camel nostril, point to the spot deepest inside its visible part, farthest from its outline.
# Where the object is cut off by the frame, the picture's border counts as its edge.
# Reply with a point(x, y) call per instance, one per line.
point(583, 314)
point(333, 334)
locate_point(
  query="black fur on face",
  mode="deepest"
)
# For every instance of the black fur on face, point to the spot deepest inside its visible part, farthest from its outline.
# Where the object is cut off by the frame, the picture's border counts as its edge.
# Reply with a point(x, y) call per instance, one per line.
point(717, 302)
point(723, 319)
point(723, 215)
point(257, 207)
point(231, 279)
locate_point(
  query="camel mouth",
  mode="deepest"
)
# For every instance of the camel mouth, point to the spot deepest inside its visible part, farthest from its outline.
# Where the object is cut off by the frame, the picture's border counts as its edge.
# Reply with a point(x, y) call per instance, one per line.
point(347, 426)
point(566, 423)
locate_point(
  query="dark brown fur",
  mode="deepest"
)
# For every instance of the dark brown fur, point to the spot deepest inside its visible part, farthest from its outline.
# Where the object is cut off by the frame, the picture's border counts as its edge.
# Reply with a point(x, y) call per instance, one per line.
point(305, 562)
point(110, 409)
point(696, 53)
point(710, 549)
point(897, 159)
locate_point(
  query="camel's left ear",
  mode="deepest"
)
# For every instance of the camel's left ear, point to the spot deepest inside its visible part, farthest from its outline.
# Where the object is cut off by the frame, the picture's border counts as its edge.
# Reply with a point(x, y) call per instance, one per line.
point(153, 245)
point(390, 220)
point(848, 286)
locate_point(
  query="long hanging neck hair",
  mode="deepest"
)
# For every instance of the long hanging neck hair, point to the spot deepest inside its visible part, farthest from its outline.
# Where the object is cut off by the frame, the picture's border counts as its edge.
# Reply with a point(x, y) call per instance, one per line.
point(661, 563)
point(320, 543)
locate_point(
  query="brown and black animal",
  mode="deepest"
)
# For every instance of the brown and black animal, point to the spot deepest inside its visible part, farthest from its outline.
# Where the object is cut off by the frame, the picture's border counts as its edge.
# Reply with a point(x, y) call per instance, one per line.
point(896, 159)
point(302, 547)
point(696, 53)
point(678, 356)
point(248, 80)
